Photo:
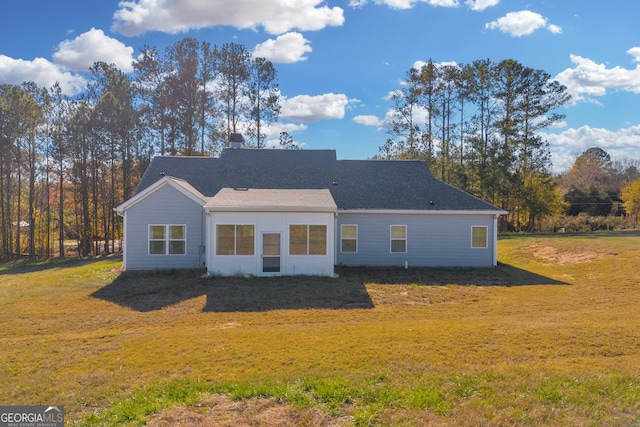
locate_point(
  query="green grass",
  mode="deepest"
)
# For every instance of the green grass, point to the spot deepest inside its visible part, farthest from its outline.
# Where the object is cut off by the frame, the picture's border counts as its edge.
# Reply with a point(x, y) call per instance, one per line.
point(550, 337)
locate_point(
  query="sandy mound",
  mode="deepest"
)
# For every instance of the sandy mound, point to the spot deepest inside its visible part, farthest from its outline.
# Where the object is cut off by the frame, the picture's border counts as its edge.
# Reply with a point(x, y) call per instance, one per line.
point(558, 256)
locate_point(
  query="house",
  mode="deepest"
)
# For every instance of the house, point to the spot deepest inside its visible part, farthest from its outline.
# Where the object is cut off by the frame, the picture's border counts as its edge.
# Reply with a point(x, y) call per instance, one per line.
point(286, 212)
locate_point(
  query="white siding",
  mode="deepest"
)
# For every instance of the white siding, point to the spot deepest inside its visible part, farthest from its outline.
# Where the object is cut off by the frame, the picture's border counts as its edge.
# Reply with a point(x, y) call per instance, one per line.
point(432, 240)
point(164, 206)
point(270, 222)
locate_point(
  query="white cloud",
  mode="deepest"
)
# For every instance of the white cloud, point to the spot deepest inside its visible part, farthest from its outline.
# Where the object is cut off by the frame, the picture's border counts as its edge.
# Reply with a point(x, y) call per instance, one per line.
point(393, 93)
point(273, 130)
point(553, 28)
point(565, 146)
point(476, 5)
point(287, 48)
point(522, 23)
point(420, 116)
point(92, 46)
point(635, 52)
point(593, 79)
point(368, 120)
point(308, 108)
point(417, 65)
point(480, 5)
point(174, 16)
point(408, 4)
point(275, 144)
point(558, 125)
point(40, 71)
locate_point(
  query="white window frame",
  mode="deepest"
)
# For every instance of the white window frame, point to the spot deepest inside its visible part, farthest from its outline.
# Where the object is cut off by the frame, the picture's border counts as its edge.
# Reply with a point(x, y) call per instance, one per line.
point(235, 240)
point(308, 241)
point(342, 238)
point(392, 239)
point(167, 239)
point(486, 240)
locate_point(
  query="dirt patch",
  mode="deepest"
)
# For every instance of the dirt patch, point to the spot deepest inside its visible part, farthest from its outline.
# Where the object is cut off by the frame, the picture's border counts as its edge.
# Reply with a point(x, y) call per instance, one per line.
point(220, 411)
point(560, 256)
point(420, 295)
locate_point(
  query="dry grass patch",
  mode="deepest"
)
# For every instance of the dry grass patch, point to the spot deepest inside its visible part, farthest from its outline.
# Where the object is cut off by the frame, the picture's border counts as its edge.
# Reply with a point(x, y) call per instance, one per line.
point(218, 410)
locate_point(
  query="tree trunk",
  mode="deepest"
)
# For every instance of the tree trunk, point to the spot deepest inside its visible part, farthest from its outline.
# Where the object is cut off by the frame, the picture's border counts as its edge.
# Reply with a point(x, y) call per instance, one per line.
point(3, 211)
point(18, 206)
point(61, 213)
point(32, 198)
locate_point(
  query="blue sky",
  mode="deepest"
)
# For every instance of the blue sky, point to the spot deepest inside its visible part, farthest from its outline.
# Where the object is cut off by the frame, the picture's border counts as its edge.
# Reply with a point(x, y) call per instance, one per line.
point(338, 60)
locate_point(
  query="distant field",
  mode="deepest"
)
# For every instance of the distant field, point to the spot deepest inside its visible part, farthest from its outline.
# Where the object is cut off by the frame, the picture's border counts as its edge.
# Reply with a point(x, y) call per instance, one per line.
point(550, 337)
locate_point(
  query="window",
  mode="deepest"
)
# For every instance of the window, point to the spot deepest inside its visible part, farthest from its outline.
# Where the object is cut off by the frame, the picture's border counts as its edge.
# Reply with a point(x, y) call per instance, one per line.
point(234, 239)
point(307, 239)
point(297, 239)
point(167, 239)
point(398, 238)
point(244, 239)
point(479, 236)
point(349, 238)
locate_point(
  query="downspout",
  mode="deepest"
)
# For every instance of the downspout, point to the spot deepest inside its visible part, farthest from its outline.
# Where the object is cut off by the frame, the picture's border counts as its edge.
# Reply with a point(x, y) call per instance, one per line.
point(202, 250)
point(336, 242)
point(495, 240)
point(207, 240)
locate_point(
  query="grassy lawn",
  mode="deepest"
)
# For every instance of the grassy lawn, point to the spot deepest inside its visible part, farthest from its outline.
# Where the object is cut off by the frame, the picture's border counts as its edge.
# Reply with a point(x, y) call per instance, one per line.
point(550, 337)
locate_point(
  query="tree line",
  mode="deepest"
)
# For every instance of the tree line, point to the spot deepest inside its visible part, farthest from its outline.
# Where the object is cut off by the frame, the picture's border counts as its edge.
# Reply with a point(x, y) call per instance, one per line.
point(598, 187)
point(476, 125)
point(67, 161)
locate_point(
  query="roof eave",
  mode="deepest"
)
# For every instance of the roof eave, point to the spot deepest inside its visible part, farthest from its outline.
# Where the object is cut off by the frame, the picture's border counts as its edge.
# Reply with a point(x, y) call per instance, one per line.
point(317, 209)
point(497, 212)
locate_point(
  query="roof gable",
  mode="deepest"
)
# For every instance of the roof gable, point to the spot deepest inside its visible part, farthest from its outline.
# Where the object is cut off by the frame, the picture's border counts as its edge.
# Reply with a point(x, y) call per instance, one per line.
point(179, 184)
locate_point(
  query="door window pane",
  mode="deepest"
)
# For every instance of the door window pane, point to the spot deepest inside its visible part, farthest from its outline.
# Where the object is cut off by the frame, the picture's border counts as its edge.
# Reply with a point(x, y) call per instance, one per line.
point(271, 264)
point(271, 244)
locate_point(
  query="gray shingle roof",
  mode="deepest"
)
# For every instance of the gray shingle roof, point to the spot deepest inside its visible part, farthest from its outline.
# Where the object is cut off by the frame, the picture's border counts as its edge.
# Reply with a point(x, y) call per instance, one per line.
point(354, 184)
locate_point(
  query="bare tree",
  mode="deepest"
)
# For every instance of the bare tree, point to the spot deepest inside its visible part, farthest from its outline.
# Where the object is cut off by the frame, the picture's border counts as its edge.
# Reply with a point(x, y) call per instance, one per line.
point(232, 66)
point(264, 97)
